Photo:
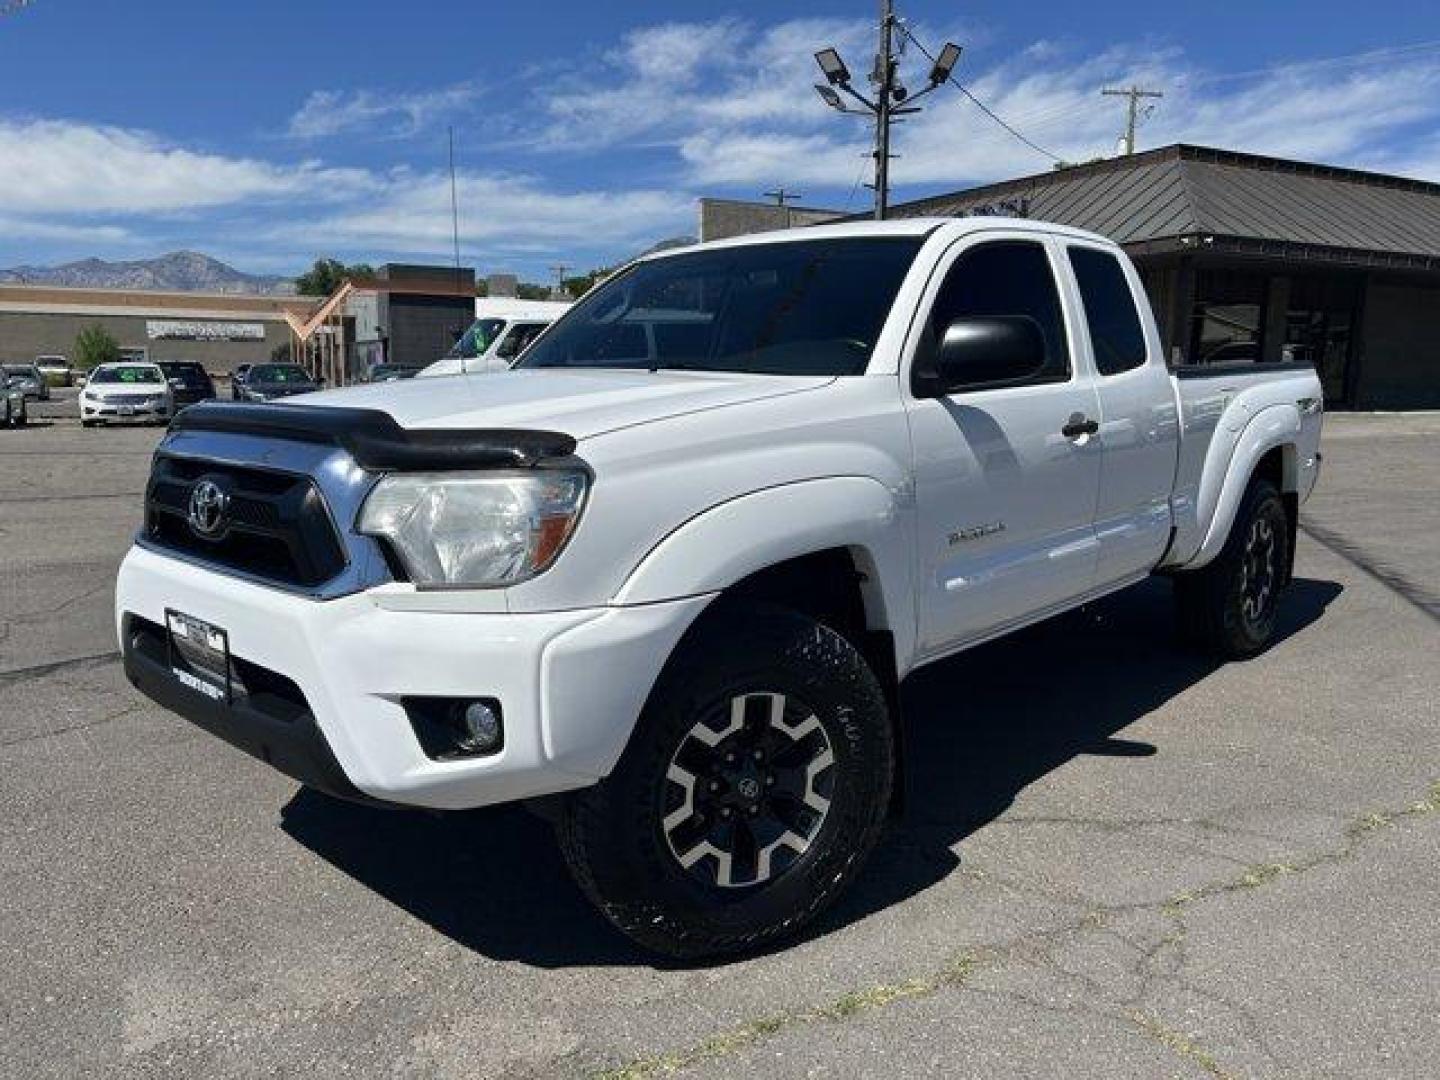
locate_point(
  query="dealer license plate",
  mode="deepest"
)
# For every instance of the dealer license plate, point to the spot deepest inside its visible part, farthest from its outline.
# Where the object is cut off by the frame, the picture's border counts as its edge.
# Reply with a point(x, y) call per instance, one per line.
point(199, 654)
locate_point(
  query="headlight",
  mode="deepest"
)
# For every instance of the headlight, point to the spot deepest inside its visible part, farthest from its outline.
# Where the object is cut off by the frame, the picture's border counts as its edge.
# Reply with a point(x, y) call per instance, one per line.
point(475, 528)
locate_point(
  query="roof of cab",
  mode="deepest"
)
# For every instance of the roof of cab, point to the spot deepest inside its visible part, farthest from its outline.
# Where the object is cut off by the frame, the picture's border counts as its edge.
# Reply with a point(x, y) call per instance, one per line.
point(918, 226)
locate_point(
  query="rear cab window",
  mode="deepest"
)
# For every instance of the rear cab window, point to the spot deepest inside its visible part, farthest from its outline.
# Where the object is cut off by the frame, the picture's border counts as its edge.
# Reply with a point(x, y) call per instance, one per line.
point(1117, 337)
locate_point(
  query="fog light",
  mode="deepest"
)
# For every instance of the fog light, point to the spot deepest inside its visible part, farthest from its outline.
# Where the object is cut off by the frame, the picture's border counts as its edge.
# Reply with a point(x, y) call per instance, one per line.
point(451, 727)
point(481, 728)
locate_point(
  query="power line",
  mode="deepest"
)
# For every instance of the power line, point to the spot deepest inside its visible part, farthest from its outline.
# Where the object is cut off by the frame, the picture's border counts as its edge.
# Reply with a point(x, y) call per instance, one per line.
point(1347, 60)
point(982, 106)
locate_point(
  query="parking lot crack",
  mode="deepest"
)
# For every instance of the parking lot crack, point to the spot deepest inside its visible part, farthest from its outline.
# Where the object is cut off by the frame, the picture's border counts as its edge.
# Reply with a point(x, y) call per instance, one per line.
point(1357, 833)
point(1181, 1043)
point(955, 973)
point(1397, 582)
point(81, 728)
point(39, 671)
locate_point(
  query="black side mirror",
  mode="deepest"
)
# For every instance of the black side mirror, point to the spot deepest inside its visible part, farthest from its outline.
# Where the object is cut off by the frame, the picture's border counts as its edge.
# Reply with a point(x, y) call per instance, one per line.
point(980, 354)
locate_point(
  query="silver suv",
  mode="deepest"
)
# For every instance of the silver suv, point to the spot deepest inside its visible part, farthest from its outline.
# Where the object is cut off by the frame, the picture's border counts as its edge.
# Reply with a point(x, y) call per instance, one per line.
point(27, 379)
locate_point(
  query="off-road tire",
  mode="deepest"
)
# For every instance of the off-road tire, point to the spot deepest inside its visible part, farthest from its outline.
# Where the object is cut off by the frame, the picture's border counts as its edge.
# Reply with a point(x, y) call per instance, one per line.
point(1218, 606)
point(614, 836)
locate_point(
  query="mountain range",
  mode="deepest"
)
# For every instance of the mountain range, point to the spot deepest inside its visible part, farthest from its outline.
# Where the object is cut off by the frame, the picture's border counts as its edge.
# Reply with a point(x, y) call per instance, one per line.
point(179, 271)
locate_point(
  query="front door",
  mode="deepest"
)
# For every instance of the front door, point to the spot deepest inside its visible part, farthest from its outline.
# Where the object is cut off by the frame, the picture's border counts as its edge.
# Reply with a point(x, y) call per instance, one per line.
point(1006, 478)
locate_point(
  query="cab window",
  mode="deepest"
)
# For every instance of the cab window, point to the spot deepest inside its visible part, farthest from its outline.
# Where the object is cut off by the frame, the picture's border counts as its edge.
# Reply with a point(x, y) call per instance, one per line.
point(1009, 278)
point(1116, 336)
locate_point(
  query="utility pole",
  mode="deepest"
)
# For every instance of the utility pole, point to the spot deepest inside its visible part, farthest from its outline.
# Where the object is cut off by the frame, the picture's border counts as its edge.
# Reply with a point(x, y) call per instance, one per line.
point(1134, 93)
point(891, 98)
point(885, 85)
point(781, 196)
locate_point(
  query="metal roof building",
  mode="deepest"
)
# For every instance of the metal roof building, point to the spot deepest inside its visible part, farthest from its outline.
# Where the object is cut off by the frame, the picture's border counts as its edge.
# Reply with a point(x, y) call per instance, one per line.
point(1263, 259)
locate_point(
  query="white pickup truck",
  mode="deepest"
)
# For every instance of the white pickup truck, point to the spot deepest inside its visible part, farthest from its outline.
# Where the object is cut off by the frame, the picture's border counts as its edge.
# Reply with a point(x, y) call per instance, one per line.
point(671, 570)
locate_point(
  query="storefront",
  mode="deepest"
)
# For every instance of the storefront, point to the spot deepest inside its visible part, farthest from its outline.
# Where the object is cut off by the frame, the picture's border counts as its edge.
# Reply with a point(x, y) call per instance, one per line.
point(1263, 260)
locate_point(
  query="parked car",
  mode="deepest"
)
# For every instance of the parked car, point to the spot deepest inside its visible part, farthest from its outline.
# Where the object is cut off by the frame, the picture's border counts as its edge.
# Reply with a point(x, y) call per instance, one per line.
point(502, 329)
point(189, 381)
point(126, 391)
point(237, 377)
point(672, 568)
point(390, 372)
point(27, 379)
point(266, 382)
point(56, 369)
point(15, 414)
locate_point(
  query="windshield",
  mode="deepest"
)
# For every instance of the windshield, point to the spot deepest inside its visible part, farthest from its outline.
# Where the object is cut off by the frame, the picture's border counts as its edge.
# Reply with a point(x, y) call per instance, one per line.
point(281, 373)
point(476, 340)
point(807, 307)
point(145, 375)
point(19, 369)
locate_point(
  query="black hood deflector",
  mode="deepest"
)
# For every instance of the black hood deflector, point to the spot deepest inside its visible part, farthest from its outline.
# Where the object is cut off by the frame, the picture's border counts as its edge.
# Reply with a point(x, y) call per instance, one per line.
point(375, 440)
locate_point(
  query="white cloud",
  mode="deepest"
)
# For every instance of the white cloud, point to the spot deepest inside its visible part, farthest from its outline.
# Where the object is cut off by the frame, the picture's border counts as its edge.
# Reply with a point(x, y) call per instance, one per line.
point(73, 187)
point(411, 214)
point(735, 103)
point(19, 228)
point(66, 167)
point(327, 113)
point(671, 112)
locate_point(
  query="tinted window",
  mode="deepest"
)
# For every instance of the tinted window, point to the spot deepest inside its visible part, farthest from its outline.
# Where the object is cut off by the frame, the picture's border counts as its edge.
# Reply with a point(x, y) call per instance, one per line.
point(190, 374)
point(519, 338)
point(278, 373)
point(804, 307)
point(1006, 278)
point(1115, 332)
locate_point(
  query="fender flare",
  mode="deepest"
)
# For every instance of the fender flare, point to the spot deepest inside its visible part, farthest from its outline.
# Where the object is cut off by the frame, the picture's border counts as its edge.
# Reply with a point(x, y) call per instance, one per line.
point(749, 533)
point(1276, 425)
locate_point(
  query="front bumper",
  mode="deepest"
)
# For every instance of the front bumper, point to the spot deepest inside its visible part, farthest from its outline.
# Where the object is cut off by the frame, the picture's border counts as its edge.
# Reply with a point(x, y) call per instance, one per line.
point(570, 683)
point(104, 410)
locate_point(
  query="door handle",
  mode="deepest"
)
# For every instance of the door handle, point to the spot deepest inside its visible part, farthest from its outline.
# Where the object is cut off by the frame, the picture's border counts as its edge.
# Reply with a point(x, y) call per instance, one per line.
point(1079, 425)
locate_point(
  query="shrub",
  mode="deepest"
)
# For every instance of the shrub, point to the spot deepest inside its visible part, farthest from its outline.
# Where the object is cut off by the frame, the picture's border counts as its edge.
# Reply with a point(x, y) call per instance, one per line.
point(95, 345)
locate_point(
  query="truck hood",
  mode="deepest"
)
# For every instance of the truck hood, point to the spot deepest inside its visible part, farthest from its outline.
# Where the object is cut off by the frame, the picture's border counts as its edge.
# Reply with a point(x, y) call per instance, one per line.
point(580, 403)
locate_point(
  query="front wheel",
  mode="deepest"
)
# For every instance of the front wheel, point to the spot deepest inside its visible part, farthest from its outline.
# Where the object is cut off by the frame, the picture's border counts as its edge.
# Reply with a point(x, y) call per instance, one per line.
point(1229, 607)
point(753, 789)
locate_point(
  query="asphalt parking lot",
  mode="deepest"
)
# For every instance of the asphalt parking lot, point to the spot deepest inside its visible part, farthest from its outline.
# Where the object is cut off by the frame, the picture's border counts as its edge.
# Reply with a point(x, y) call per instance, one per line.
point(1116, 860)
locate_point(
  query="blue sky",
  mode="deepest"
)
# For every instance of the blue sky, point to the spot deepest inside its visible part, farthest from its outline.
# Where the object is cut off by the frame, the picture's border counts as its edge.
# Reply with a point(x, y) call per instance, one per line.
point(267, 133)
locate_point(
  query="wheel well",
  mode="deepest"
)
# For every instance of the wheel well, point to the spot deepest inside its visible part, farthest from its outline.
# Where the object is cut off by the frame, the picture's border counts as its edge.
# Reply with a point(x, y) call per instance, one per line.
point(825, 585)
point(836, 587)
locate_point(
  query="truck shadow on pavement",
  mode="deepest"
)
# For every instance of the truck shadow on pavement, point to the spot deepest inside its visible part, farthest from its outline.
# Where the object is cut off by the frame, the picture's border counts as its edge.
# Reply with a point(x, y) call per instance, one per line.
point(979, 728)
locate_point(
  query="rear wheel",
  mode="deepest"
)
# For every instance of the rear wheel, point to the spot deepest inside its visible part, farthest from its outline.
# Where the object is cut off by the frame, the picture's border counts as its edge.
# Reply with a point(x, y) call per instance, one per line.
point(1229, 607)
point(754, 788)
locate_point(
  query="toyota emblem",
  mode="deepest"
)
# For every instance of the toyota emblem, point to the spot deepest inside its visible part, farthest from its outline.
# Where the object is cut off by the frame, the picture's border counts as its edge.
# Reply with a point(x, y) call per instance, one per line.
point(208, 503)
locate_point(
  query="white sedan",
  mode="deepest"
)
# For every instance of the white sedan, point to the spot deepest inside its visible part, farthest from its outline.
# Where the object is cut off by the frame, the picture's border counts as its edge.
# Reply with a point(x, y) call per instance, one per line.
point(126, 391)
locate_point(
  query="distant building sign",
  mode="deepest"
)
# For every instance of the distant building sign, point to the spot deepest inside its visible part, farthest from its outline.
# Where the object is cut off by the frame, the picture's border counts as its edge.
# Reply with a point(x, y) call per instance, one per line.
point(156, 329)
point(1017, 206)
